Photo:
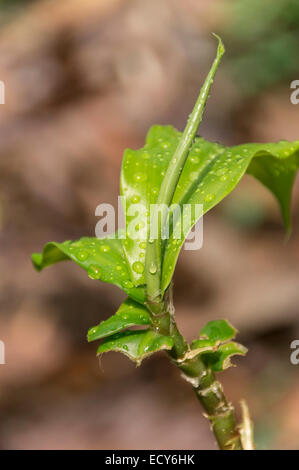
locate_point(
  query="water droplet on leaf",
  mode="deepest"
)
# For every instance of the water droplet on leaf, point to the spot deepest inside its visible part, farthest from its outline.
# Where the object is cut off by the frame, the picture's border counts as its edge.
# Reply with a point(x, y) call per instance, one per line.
point(153, 268)
point(209, 197)
point(135, 199)
point(82, 255)
point(105, 248)
point(138, 267)
point(140, 177)
point(128, 285)
point(194, 159)
point(94, 272)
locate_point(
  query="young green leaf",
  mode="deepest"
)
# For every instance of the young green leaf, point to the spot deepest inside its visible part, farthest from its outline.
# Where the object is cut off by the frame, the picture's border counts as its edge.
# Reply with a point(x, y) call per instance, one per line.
point(220, 359)
point(136, 345)
point(218, 330)
point(198, 347)
point(141, 177)
point(212, 171)
point(154, 251)
point(202, 345)
point(103, 259)
point(277, 175)
point(130, 313)
point(213, 345)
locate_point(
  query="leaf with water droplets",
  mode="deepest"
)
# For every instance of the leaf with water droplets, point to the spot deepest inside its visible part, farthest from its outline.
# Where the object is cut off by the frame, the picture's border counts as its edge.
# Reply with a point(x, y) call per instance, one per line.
point(141, 177)
point(218, 330)
point(136, 345)
point(221, 359)
point(212, 171)
point(129, 314)
point(214, 347)
point(212, 335)
point(103, 259)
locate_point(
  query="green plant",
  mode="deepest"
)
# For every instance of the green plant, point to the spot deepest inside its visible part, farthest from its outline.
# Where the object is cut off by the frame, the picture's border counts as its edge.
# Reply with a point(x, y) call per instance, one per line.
point(176, 168)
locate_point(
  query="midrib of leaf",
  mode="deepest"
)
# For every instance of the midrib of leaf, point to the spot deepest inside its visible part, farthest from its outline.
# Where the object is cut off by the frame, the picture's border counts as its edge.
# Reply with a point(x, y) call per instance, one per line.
point(169, 184)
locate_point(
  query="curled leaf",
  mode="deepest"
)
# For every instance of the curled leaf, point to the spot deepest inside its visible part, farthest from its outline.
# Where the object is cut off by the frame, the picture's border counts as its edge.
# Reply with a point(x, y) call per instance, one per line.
point(221, 359)
point(197, 347)
point(129, 314)
point(136, 345)
point(218, 330)
point(103, 259)
point(212, 171)
point(213, 345)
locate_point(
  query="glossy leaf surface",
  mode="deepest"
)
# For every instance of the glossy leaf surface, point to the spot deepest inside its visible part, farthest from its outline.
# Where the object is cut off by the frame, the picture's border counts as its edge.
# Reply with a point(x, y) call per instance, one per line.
point(103, 259)
point(221, 359)
point(214, 346)
point(218, 330)
point(278, 175)
point(213, 171)
point(129, 314)
point(136, 345)
point(210, 173)
point(141, 177)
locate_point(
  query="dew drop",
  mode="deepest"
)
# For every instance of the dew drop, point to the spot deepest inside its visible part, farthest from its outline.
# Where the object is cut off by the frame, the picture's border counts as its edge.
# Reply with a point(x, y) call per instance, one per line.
point(82, 255)
point(138, 267)
point(153, 268)
point(128, 285)
point(105, 248)
point(194, 159)
point(209, 197)
point(94, 272)
point(140, 177)
point(165, 145)
point(135, 199)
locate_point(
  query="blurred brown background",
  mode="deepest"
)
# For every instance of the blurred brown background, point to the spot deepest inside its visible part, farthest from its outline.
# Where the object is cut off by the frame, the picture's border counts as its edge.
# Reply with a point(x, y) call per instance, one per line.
point(85, 80)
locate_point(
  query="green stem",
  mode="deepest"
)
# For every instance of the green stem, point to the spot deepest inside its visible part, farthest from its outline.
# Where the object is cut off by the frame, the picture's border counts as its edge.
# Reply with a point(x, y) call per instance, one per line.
point(208, 390)
point(218, 410)
point(169, 183)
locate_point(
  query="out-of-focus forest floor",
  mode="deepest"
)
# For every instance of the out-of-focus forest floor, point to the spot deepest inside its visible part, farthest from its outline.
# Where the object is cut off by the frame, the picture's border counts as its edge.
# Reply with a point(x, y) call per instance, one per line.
point(84, 81)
